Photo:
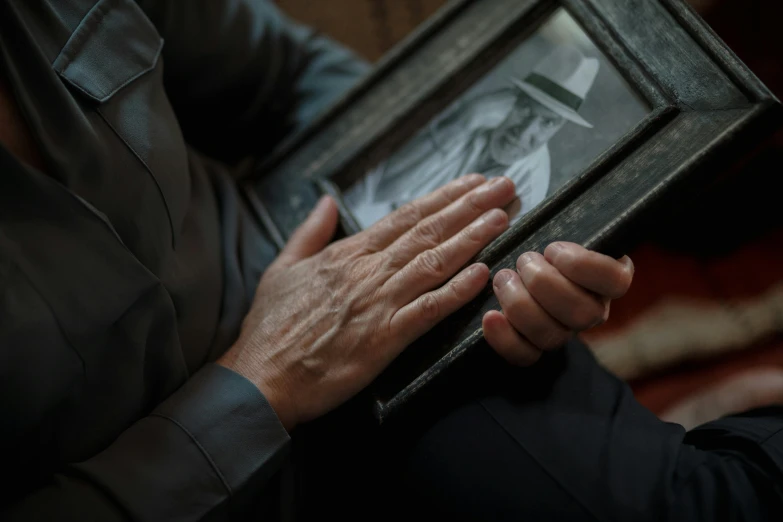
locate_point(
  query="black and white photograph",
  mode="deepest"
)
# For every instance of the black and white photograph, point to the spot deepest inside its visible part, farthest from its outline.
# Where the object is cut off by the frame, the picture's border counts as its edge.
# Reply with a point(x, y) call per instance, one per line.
point(539, 117)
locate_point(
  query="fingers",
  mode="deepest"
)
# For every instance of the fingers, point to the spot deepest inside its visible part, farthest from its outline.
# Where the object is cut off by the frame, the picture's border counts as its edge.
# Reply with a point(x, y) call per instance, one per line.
point(566, 302)
point(525, 315)
point(388, 229)
point(433, 267)
point(596, 272)
point(442, 225)
point(313, 235)
point(544, 302)
point(415, 319)
point(507, 341)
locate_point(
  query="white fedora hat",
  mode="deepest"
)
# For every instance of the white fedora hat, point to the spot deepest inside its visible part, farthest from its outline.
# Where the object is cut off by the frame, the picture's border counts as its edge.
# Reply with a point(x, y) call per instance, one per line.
point(561, 81)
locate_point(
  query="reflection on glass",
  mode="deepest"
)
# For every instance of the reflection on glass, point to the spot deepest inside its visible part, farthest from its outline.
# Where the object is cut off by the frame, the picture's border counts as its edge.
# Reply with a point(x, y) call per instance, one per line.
point(539, 117)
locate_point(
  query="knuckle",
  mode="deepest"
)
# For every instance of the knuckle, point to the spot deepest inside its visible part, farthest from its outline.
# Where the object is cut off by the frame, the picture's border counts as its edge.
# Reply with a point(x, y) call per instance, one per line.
point(430, 231)
point(431, 263)
point(390, 262)
point(429, 307)
point(586, 316)
point(452, 192)
point(566, 263)
point(518, 307)
point(536, 280)
point(473, 203)
point(355, 246)
point(473, 234)
point(408, 215)
point(329, 253)
point(321, 273)
point(457, 289)
point(554, 339)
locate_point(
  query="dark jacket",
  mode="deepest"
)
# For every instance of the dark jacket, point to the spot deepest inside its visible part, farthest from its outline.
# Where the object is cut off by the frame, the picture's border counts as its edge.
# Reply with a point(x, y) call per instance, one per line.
point(127, 267)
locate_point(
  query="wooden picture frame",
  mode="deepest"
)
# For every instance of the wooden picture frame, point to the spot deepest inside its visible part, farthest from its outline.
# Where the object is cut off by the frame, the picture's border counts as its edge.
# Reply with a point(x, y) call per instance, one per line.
point(705, 108)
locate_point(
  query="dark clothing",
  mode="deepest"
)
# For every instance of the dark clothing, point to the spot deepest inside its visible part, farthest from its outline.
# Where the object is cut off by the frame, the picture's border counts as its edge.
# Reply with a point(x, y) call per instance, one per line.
point(127, 267)
point(563, 440)
point(131, 263)
point(572, 443)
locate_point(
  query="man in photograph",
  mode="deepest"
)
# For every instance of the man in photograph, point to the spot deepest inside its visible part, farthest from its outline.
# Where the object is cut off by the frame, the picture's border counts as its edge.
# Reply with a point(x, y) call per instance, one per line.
point(502, 133)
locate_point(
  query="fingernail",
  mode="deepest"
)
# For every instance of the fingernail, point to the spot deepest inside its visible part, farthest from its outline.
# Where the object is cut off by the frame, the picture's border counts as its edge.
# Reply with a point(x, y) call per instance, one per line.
point(496, 218)
point(524, 259)
point(557, 247)
point(502, 278)
point(554, 251)
point(320, 205)
point(499, 185)
point(475, 269)
point(628, 264)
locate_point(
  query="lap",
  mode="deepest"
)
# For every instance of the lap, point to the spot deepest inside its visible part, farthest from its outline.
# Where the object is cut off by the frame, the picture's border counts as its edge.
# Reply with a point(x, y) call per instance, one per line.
point(564, 440)
point(571, 444)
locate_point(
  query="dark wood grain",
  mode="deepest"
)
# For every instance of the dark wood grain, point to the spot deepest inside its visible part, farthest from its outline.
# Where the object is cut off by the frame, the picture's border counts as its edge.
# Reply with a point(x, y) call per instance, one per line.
point(605, 39)
point(684, 68)
point(723, 56)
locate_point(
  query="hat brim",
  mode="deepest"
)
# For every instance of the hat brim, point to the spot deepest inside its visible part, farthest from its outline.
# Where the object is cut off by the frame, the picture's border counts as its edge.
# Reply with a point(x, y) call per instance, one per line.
point(550, 103)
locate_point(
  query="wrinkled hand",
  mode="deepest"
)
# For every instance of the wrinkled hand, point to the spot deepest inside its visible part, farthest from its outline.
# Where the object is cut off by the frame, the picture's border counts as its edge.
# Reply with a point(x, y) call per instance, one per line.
point(551, 296)
point(326, 320)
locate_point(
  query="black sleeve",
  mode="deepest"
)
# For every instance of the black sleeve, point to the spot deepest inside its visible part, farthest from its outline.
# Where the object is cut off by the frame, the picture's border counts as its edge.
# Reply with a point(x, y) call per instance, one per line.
point(566, 440)
point(741, 477)
point(179, 463)
point(241, 76)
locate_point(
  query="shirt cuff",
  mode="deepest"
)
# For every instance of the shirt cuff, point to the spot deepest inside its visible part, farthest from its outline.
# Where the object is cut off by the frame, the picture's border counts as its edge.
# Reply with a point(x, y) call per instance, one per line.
point(232, 423)
point(194, 452)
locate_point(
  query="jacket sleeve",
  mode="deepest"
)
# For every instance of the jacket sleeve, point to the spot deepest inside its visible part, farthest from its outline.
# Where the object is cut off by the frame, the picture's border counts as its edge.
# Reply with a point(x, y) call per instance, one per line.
point(241, 76)
point(740, 474)
point(178, 463)
point(566, 440)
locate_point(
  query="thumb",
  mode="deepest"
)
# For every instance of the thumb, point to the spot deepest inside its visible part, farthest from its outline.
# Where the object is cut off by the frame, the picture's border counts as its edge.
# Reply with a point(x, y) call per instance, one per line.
point(313, 235)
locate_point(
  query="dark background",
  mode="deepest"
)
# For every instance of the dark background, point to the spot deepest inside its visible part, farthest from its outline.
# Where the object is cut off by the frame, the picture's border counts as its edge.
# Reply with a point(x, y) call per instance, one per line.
point(371, 27)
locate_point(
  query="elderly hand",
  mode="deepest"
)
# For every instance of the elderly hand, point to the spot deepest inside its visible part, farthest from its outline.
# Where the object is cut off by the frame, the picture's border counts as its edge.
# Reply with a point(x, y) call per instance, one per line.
point(551, 296)
point(326, 320)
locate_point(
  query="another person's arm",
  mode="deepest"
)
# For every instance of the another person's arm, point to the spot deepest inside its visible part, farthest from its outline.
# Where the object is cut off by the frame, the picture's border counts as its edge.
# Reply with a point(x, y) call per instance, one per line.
point(569, 442)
